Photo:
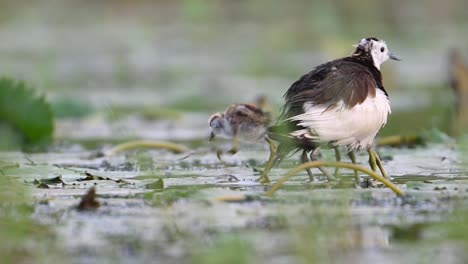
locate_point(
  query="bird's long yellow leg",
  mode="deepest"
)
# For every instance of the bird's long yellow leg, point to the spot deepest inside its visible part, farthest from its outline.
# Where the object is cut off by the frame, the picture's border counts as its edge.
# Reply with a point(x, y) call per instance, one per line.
point(372, 161)
point(357, 178)
point(338, 159)
point(273, 151)
point(379, 163)
point(305, 159)
point(234, 149)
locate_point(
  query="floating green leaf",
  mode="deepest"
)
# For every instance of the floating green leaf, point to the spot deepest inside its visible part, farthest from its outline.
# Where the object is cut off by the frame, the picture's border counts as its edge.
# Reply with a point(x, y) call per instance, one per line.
point(92, 177)
point(44, 183)
point(157, 185)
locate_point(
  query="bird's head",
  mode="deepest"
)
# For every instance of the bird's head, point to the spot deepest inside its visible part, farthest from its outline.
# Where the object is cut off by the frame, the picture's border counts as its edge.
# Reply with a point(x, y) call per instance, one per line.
point(374, 48)
point(216, 123)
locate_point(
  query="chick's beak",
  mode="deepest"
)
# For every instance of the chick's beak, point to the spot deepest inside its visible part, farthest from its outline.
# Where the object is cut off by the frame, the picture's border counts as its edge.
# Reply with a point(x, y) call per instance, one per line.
point(393, 57)
point(212, 135)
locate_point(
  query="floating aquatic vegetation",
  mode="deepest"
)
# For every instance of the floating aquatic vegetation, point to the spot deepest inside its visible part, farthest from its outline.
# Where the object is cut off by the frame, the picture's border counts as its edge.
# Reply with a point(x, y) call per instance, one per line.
point(423, 138)
point(176, 148)
point(45, 183)
point(316, 164)
point(157, 185)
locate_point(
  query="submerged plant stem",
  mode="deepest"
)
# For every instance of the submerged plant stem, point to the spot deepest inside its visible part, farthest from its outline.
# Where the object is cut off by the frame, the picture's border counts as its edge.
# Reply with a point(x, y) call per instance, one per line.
point(315, 164)
point(399, 140)
point(176, 148)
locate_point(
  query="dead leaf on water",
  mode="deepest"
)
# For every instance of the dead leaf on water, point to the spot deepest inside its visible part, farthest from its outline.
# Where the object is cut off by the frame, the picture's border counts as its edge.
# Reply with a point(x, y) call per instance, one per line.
point(88, 201)
point(44, 183)
point(91, 177)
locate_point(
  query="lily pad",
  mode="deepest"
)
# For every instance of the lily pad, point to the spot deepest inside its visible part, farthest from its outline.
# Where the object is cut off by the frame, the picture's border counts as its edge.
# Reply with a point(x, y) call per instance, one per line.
point(157, 185)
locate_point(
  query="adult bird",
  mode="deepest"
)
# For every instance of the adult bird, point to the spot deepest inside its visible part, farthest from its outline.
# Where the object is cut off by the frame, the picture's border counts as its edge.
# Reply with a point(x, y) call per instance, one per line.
point(339, 103)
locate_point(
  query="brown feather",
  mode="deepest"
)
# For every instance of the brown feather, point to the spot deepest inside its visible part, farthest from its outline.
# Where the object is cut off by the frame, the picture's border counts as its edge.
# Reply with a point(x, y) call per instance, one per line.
point(344, 80)
point(245, 121)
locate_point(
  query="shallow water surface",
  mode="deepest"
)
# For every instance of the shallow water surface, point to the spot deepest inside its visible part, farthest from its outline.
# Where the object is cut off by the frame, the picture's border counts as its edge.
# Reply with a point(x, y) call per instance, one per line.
point(184, 219)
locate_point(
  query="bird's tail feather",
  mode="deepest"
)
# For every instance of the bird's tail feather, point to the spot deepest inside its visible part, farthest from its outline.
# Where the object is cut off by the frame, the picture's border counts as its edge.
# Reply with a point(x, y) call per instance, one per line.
point(287, 144)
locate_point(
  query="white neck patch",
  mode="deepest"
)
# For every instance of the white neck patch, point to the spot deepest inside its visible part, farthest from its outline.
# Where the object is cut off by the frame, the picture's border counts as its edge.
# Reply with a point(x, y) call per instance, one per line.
point(379, 52)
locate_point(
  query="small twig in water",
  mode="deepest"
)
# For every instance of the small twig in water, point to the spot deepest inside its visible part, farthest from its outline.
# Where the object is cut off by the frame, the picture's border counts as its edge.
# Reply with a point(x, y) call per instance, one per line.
point(31, 162)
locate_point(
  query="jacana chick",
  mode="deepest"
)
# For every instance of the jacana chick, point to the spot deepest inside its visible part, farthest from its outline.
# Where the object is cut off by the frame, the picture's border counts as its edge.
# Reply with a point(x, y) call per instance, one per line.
point(245, 122)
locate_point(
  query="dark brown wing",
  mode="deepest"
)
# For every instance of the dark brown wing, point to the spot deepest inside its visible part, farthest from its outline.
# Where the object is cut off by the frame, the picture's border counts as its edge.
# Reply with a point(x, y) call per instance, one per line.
point(247, 113)
point(330, 83)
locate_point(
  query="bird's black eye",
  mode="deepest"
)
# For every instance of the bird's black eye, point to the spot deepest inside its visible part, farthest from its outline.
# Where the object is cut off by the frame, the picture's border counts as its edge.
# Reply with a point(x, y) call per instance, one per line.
point(382, 49)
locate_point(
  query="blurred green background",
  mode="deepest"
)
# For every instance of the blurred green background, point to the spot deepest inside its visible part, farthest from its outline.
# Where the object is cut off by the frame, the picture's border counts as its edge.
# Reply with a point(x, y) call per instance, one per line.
point(201, 56)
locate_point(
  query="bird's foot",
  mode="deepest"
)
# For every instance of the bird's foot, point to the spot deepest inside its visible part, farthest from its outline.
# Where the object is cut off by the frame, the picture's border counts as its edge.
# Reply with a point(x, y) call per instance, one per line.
point(264, 179)
point(219, 154)
point(371, 183)
point(233, 151)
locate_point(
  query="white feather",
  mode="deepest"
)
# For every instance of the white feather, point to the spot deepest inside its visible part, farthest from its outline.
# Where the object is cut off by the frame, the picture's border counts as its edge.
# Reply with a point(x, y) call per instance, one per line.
point(354, 127)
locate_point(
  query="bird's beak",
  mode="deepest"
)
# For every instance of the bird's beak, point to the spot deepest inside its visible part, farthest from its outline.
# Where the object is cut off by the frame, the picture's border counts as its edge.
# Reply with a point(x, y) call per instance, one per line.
point(393, 57)
point(212, 135)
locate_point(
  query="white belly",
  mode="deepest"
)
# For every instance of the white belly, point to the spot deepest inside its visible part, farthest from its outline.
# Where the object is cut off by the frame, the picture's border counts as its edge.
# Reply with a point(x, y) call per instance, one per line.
point(354, 127)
